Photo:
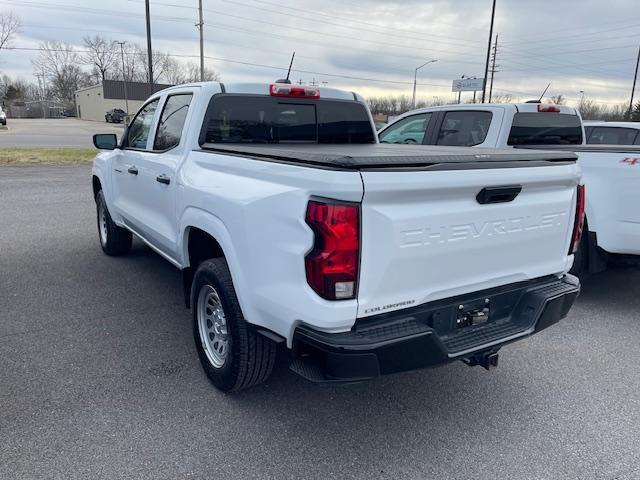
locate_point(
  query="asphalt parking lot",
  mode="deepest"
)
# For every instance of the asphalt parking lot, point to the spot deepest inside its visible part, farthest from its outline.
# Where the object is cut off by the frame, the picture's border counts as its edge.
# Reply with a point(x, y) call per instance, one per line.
point(99, 378)
point(53, 132)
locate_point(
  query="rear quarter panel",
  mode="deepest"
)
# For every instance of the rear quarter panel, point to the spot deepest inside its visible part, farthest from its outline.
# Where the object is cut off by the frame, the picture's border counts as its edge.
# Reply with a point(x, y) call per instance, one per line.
point(256, 210)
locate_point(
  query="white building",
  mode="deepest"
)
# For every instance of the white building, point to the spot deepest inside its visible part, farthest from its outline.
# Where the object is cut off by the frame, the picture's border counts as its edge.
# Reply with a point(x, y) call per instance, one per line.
point(93, 102)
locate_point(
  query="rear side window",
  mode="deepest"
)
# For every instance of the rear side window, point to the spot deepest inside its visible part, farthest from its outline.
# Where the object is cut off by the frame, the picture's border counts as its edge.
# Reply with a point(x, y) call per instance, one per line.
point(172, 121)
point(545, 128)
point(464, 128)
point(261, 119)
point(408, 130)
point(612, 136)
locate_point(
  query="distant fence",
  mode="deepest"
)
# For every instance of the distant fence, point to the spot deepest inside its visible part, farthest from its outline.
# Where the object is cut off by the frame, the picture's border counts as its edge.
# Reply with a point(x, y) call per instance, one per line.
point(36, 110)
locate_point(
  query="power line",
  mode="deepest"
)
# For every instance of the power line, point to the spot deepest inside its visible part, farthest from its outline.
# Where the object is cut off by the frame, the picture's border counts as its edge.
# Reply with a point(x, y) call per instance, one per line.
point(311, 72)
point(541, 39)
point(254, 47)
point(351, 19)
point(251, 32)
point(464, 43)
point(317, 32)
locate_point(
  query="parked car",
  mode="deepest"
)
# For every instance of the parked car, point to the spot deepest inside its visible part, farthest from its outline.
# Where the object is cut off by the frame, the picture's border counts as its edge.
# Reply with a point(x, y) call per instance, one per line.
point(3, 117)
point(115, 115)
point(294, 228)
point(612, 133)
point(611, 173)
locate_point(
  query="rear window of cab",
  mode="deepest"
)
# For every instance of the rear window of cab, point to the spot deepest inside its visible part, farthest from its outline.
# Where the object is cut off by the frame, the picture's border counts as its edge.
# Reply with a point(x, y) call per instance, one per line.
point(544, 128)
point(236, 118)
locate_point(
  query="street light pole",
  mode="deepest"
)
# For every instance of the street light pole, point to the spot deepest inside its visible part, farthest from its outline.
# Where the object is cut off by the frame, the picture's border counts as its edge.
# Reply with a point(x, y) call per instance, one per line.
point(124, 78)
point(415, 80)
point(486, 65)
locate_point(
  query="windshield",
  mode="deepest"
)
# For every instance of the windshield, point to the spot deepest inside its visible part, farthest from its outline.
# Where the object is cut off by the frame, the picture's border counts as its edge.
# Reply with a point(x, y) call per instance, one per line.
point(533, 128)
point(259, 119)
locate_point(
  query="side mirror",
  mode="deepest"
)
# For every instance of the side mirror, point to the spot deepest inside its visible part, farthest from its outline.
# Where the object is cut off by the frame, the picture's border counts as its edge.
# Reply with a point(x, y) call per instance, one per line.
point(105, 141)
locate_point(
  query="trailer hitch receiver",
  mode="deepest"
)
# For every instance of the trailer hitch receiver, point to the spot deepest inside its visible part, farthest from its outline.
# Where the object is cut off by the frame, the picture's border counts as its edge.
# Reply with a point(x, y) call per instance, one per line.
point(487, 359)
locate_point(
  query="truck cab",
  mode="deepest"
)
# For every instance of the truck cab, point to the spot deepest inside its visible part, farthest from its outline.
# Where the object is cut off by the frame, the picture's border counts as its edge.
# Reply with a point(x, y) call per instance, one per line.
point(487, 125)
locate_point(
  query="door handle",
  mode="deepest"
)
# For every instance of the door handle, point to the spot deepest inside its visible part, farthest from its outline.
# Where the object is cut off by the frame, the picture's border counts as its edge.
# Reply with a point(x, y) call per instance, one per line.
point(163, 179)
point(498, 194)
point(132, 170)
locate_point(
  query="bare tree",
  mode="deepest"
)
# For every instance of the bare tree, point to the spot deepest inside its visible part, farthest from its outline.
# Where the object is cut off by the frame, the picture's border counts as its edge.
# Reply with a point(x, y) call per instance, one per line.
point(557, 99)
point(396, 105)
point(9, 25)
point(158, 62)
point(193, 73)
point(61, 63)
point(101, 55)
point(174, 72)
point(132, 67)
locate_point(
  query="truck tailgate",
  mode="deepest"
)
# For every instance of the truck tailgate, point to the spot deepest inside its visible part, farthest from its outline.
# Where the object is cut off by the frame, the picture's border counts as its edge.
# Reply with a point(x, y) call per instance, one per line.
point(426, 235)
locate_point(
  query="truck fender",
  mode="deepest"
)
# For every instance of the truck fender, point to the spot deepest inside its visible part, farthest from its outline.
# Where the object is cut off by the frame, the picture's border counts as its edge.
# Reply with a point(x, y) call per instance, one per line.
point(194, 217)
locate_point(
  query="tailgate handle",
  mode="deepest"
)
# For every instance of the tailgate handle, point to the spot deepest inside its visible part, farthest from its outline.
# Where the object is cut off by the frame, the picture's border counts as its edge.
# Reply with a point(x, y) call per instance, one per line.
point(498, 194)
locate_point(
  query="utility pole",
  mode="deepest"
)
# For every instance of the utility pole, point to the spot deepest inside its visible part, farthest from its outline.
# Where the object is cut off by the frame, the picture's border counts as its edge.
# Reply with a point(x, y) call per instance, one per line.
point(486, 65)
point(149, 51)
point(124, 76)
point(200, 26)
point(633, 89)
point(493, 66)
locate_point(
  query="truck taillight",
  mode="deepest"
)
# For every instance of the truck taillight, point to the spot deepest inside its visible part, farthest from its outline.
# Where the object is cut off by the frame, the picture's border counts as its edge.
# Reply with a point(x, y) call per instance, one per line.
point(285, 90)
point(579, 221)
point(542, 107)
point(332, 264)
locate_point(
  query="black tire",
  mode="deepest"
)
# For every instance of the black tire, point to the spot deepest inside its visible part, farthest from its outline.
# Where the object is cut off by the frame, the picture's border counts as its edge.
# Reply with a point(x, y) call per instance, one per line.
point(410, 141)
point(114, 240)
point(250, 356)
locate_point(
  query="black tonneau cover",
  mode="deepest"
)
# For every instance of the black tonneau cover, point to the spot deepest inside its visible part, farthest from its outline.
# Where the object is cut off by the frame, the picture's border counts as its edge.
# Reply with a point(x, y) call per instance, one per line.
point(384, 156)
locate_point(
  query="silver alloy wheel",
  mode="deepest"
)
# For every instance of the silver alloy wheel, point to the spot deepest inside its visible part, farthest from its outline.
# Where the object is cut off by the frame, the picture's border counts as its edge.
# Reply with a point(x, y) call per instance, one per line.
point(102, 223)
point(212, 325)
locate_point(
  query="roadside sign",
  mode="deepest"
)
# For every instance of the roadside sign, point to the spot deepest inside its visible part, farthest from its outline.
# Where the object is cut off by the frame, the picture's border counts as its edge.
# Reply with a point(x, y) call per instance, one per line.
point(467, 84)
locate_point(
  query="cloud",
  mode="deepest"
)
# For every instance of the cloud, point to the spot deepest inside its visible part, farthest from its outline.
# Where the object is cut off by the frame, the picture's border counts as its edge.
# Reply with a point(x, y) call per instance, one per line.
point(575, 45)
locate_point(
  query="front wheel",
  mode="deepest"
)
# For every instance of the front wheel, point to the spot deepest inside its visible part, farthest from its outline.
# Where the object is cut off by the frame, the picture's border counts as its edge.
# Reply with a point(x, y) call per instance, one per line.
point(114, 240)
point(234, 356)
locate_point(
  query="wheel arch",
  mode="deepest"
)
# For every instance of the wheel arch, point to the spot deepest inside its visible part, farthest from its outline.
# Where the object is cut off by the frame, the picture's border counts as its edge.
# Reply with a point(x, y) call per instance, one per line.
point(97, 185)
point(205, 236)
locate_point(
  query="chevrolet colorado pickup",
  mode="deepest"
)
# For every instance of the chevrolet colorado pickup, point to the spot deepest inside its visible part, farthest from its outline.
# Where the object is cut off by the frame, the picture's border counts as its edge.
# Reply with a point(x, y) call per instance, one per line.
point(294, 228)
point(610, 173)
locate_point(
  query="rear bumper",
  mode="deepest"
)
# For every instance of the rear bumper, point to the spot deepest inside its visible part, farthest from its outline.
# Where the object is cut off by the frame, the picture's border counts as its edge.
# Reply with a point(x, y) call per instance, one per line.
point(427, 335)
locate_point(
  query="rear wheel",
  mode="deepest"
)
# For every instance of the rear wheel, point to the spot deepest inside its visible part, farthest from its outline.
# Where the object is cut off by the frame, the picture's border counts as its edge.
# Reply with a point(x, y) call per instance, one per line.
point(233, 355)
point(114, 240)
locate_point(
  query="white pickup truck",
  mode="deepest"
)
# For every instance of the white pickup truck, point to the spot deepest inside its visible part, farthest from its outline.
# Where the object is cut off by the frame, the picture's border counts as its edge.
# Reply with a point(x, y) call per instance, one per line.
point(295, 229)
point(611, 173)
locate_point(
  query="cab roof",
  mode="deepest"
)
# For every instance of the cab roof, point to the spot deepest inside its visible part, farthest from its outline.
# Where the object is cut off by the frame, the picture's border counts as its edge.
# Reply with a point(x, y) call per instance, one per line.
point(262, 89)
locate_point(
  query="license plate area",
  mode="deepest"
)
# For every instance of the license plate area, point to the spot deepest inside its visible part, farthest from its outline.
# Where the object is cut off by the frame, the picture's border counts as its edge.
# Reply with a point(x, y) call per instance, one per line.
point(473, 313)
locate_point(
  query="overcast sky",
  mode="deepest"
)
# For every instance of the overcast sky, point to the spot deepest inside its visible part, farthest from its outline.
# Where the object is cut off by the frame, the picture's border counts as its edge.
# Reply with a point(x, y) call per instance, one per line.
point(588, 45)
